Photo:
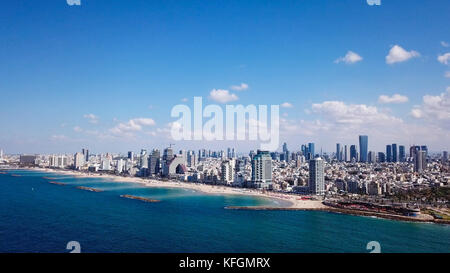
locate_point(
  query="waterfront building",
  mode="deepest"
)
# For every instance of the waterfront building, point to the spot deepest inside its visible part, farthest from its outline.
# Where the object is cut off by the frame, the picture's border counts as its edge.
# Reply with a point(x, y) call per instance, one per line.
point(78, 161)
point(316, 176)
point(262, 170)
point(177, 165)
point(154, 162)
point(143, 159)
point(227, 171)
point(363, 148)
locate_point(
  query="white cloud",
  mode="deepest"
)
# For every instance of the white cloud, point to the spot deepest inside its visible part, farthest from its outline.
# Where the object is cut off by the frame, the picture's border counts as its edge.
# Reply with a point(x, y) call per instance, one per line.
point(222, 96)
point(184, 99)
point(133, 125)
point(339, 112)
point(445, 44)
point(73, 2)
point(396, 98)
point(91, 118)
point(77, 129)
point(286, 105)
point(434, 109)
point(350, 58)
point(447, 74)
point(397, 54)
point(444, 59)
point(241, 87)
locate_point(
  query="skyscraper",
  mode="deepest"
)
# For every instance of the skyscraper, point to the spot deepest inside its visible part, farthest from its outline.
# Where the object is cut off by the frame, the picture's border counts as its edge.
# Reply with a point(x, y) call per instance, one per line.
point(444, 156)
point(394, 153)
point(1, 154)
point(353, 153)
point(381, 157)
point(262, 170)
point(401, 153)
point(130, 155)
point(227, 171)
point(316, 176)
point(338, 152)
point(154, 162)
point(311, 150)
point(420, 161)
point(363, 148)
point(388, 153)
point(78, 161)
point(346, 154)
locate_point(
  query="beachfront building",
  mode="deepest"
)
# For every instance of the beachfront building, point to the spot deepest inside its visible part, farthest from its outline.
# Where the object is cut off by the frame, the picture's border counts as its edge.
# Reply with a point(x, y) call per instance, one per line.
point(262, 170)
point(227, 171)
point(316, 176)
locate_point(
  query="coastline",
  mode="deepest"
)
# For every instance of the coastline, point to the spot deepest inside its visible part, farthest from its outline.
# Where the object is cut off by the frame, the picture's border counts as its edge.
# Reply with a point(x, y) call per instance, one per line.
point(285, 201)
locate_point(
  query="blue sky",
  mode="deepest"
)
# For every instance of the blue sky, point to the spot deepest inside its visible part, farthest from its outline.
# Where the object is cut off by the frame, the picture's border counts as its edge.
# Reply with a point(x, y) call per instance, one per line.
point(125, 60)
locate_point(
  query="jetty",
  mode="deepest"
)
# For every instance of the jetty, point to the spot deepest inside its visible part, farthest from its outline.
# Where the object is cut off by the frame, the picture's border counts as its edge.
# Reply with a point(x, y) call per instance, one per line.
point(89, 189)
point(57, 183)
point(140, 198)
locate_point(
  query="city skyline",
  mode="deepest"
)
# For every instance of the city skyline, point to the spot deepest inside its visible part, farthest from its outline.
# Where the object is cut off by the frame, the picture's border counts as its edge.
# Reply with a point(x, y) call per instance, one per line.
point(110, 79)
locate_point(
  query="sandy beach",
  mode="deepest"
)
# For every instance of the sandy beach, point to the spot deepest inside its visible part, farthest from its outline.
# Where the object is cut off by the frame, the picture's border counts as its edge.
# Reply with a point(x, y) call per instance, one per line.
point(287, 201)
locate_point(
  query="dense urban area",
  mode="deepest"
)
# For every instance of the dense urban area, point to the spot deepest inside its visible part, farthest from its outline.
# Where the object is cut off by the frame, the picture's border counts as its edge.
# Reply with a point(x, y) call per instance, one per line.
point(397, 180)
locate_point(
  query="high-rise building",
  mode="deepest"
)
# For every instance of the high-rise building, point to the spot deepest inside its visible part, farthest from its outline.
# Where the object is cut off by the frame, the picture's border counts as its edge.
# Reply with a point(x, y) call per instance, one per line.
point(154, 162)
point(227, 171)
point(316, 176)
point(168, 154)
point(388, 153)
point(311, 151)
point(143, 159)
point(1, 154)
point(130, 155)
point(339, 152)
point(420, 161)
point(285, 149)
point(444, 156)
point(394, 153)
point(346, 154)
point(262, 170)
point(363, 148)
point(372, 157)
point(401, 153)
point(353, 153)
point(78, 160)
point(381, 157)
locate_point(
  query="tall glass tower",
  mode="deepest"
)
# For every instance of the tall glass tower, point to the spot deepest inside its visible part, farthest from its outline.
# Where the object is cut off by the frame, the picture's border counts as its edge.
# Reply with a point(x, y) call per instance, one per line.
point(363, 148)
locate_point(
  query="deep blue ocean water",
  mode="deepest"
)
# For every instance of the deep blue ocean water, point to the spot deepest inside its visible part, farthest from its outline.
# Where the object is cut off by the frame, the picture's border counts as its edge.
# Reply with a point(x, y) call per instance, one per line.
point(36, 216)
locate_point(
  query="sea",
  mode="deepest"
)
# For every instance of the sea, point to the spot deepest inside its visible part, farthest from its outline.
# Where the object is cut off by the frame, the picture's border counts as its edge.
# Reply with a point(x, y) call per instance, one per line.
point(37, 216)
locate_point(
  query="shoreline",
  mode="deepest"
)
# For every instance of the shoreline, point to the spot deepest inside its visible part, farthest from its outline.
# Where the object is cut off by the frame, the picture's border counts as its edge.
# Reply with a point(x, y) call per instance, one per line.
point(285, 202)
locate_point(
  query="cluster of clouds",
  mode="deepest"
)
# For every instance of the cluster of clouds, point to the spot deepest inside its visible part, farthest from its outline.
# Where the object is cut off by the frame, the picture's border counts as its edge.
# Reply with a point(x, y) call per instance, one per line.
point(396, 54)
point(224, 96)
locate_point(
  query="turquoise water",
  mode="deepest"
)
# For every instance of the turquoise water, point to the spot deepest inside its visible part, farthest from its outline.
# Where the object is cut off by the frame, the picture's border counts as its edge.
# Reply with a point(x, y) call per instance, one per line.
point(37, 216)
